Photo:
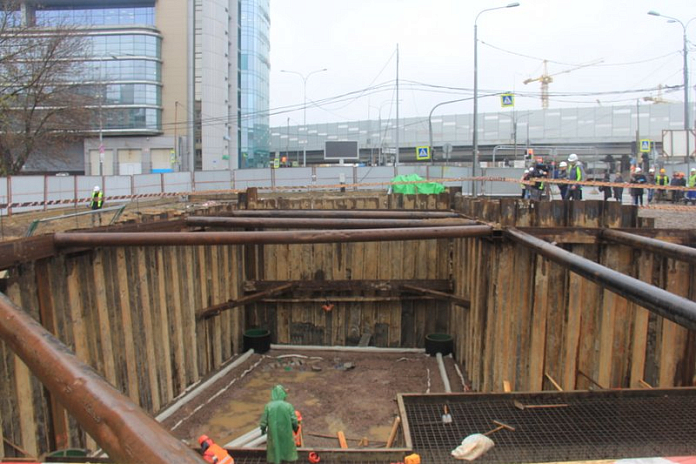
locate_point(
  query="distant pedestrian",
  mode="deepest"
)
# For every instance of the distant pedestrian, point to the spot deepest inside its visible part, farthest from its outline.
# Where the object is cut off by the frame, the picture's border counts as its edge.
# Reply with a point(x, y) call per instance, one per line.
point(605, 188)
point(562, 174)
point(618, 191)
point(96, 202)
point(636, 192)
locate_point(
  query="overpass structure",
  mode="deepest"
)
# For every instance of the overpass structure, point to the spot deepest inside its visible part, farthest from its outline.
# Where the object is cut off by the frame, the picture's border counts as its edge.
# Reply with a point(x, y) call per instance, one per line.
point(600, 131)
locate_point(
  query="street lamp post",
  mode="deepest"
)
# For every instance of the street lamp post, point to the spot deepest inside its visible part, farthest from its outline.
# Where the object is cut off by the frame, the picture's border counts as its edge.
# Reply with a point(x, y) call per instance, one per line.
point(430, 120)
point(687, 127)
point(475, 137)
point(304, 106)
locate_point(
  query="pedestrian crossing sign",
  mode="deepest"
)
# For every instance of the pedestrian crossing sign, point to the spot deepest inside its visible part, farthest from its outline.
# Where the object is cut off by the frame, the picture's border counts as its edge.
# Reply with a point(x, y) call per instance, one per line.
point(422, 153)
point(276, 163)
point(507, 99)
point(645, 146)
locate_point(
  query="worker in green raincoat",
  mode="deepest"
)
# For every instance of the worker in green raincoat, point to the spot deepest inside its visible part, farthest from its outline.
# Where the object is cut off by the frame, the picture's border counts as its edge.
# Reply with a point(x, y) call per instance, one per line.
point(280, 421)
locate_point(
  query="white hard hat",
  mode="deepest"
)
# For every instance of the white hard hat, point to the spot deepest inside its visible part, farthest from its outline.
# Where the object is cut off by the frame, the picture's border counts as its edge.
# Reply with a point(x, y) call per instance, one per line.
point(572, 158)
point(563, 164)
point(96, 188)
point(639, 170)
point(651, 170)
point(693, 169)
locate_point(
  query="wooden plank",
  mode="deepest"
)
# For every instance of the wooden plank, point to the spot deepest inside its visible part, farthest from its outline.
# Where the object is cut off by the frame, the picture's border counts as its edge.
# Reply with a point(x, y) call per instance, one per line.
point(225, 278)
point(107, 353)
point(175, 319)
point(236, 276)
point(674, 337)
point(645, 263)
point(214, 326)
point(149, 328)
point(130, 360)
point(163, 327)
point(202, 342)
point(540, 309)
point(353, 286)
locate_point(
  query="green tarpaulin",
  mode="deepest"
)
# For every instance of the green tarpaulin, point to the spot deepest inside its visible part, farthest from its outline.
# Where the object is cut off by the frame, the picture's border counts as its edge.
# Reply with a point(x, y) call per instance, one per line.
point(428, 188)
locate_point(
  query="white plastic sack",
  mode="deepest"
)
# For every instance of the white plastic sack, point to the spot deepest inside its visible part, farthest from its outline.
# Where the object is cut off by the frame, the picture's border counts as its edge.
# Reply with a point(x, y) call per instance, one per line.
point(472, 447)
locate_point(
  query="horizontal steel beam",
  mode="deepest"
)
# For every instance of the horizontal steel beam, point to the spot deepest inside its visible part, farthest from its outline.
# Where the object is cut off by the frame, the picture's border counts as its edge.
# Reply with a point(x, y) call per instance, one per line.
point(119, 426)
point(666, 304)
point(321, 223)
point(344, 213)
point(350, 286)
point(86, 239)
point(672, 250)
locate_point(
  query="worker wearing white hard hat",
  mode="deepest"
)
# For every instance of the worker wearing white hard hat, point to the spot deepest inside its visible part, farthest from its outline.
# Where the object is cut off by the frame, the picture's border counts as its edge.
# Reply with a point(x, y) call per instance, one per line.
point(525, 189)
point(562, 173)
point(96, 203)
point(637, 192)
point(577, 173)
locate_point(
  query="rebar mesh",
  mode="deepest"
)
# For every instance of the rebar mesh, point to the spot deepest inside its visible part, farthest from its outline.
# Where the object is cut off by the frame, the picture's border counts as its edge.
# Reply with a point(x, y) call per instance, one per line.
point(601, 426)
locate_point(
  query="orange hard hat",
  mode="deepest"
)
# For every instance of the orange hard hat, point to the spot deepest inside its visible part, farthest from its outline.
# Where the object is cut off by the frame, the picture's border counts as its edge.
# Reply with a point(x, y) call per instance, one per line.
point(662, 171)
point(202, 439)
point(299, 416)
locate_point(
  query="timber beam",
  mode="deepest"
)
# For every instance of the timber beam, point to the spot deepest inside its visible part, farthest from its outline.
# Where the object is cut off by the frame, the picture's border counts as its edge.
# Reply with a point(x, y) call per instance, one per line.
point(343, 213)
point(668, 305)
point(671, 250)
point(321, 223)
point(439, 295)
point(349, 286)
point(81, 239)
point(217, 309)
point(118, 425)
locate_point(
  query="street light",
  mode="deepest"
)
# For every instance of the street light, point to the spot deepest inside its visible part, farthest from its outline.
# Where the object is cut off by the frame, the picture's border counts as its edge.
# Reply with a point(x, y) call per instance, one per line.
point(473, 169)
point(687, 127)
point(304, 87)
point(379, 151)
point(430, 122)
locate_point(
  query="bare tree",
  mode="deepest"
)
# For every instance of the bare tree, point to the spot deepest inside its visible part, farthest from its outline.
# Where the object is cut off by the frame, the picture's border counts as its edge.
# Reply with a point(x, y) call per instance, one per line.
point(43, 105)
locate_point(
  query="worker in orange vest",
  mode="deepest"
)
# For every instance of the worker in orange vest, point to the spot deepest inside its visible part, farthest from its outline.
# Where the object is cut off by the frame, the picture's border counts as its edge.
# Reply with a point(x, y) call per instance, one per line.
point(298, 434)
point(212, 452)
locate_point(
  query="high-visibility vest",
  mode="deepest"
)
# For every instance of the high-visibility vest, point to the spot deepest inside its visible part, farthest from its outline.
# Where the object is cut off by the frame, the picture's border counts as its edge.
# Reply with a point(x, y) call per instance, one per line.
point(216, 454)
point(692, 181)
point(662, 180)
point(578, 173)
point(97, 198)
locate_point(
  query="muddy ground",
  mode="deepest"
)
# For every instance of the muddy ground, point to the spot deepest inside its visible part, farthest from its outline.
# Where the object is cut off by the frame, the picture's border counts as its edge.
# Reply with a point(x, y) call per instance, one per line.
point(331, 395)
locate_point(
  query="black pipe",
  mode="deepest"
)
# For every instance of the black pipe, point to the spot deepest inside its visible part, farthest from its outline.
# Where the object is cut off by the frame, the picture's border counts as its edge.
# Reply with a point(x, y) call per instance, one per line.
point(343, 213)
point(671, 250)
point(668, 305)
point(321, 223)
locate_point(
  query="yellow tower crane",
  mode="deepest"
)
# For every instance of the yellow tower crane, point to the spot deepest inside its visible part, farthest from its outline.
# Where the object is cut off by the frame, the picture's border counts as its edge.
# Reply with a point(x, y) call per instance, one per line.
point(547, 78)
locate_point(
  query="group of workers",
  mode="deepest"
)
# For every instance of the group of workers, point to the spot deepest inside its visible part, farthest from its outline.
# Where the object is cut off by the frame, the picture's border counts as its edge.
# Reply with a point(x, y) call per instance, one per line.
point(573, 170)
point(281, 424)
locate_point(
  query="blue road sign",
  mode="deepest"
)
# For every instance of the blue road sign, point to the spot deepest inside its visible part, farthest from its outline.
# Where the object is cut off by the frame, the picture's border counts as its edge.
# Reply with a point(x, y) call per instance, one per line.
point(507, 99)
point(422, 153)
point(645, 146)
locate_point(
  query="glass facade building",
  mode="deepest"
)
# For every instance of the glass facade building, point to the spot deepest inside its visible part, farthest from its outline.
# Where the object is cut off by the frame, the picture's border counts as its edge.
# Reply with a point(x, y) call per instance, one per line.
point(254, 68)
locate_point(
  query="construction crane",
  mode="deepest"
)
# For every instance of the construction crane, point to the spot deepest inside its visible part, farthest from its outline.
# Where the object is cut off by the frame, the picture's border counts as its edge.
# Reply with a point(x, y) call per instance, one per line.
point(547, 78)
point(658, 99)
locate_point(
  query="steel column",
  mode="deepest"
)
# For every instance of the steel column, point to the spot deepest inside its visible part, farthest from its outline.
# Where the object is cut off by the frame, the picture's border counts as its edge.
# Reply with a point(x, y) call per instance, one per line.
point(672, 250)
point(81, 239)
point(666, 304)
point(118, 425)
point(321, 223)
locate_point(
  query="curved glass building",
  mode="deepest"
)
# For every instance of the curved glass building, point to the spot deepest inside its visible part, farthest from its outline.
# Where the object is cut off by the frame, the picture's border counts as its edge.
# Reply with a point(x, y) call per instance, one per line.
point(254, 68)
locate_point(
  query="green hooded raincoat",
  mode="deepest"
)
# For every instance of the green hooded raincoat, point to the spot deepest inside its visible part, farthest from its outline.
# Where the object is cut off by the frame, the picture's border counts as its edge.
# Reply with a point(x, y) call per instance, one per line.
point(279, 421)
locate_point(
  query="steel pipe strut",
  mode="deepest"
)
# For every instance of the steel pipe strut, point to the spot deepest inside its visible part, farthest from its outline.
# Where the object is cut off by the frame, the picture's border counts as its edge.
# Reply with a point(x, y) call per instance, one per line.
point(82, 239)
point(322, 223)
point(668, 305)
point(672, 250)
point(119, 426)
point(343, 213)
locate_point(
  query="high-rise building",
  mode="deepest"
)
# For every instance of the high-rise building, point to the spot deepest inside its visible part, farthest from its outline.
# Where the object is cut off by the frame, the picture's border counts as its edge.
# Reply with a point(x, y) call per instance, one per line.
point(180, 84)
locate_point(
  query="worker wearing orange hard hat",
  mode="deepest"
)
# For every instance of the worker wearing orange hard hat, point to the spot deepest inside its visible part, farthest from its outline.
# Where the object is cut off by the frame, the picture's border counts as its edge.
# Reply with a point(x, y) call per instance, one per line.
point(212, 452)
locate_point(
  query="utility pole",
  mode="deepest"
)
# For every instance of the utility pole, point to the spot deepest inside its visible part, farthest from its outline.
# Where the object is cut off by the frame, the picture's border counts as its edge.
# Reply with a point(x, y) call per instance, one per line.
point(396, 162)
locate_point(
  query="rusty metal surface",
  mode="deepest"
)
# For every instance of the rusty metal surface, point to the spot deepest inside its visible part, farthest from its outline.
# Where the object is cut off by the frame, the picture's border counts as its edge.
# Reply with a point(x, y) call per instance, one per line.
point(593, 425)
point(321, 223)
point(80, 239)
point(668, 305)
point(118, 425)
point(672, 250)
point(343, 213)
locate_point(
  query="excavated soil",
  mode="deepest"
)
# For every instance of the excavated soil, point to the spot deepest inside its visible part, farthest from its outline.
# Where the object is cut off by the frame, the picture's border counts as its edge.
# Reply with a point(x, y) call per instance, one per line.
point(334, 391)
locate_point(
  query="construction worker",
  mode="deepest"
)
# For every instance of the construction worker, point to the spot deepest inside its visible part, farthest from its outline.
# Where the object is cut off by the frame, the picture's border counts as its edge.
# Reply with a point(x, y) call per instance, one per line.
point(280, 421)
point(661, 179)
point(636, 192)
point(618, 191)
point(525, 188)
point(650, 180)
point(691, 194)
point(678, 181)
point(212, 452)
point(538, 172)
point(575, 172)
point(562, 174)
point(96, 202)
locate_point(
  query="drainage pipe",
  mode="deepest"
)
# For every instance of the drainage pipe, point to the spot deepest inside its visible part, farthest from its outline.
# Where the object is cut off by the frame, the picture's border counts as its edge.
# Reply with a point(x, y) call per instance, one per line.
point(118, 425)
point(101, 239)
point(244, 439)
point(350, 349)
point(321, 223)
point(256, 442)
point(663, 303)
point(199, 388)
point(443, 373)
point(671, 250)
point(343, 213)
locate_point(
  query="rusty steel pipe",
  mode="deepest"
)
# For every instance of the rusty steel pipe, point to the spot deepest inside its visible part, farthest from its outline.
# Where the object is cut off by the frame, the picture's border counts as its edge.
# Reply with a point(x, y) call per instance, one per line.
point(321, 223)
point(671, 250)
point(668, 305)
point(82, 239)
point(344, 213)
point(119, 426)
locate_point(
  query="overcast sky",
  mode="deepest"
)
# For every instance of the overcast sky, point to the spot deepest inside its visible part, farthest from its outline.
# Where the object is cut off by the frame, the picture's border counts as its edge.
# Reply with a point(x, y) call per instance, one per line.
point(356, 41)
